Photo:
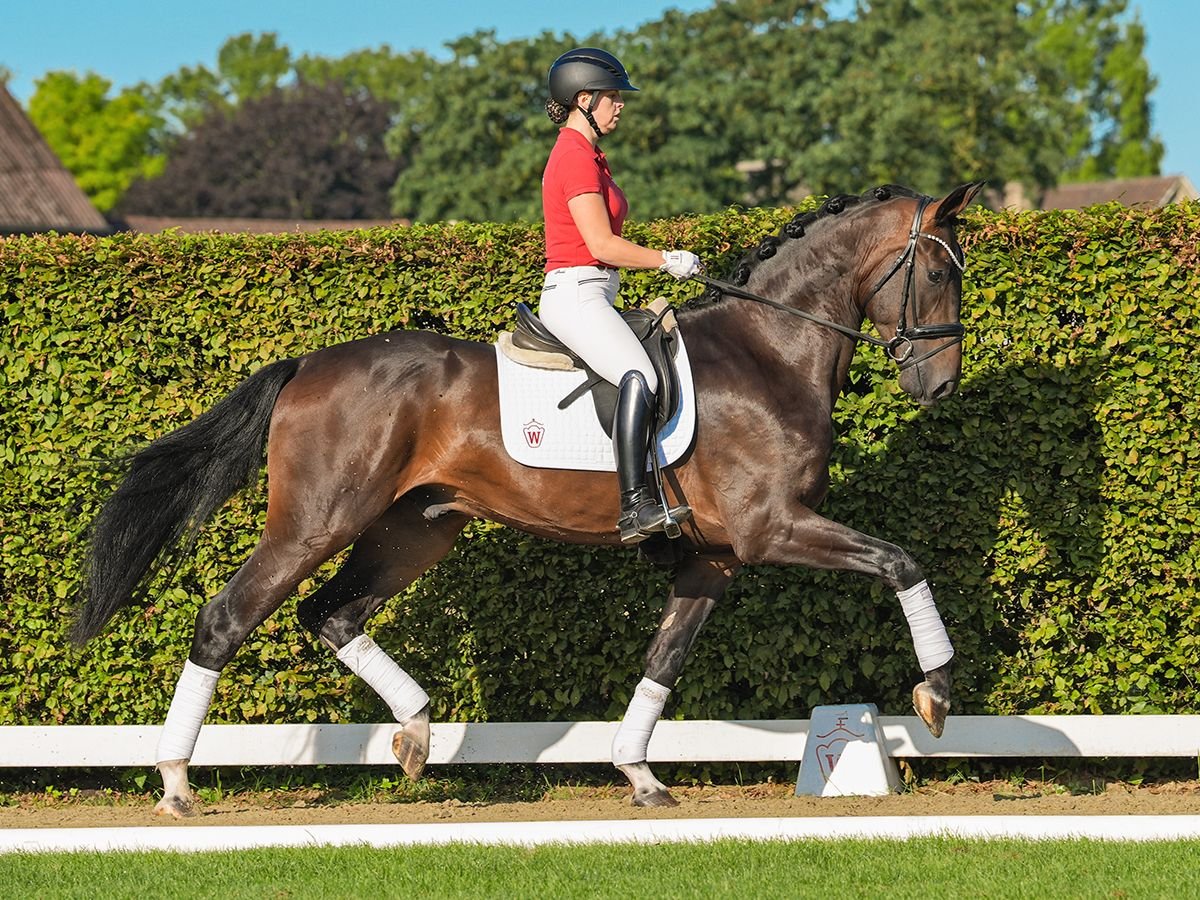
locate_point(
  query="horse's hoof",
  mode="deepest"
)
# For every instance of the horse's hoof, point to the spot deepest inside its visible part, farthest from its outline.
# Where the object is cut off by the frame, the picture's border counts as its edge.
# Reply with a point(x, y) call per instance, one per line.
point(648, 791)
point(660, 799)
point(176, 807)
point(410, 745)
point(411, 755)
point(931, 706)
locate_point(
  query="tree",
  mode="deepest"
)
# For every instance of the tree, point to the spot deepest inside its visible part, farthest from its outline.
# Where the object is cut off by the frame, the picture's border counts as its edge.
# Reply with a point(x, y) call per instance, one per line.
point(308, 152)
point(395, 78)
point(724, 87)
point(932, 93)
point(475, 132)
point(248, 67)
point(751, 100)
point(189, 96)
point(105, 143)
point(747, 101)
point(400, 81)
point(477, 137)
point(1103, 56)
point(252, 66)
point(1128, 149)
point(108, 143)
point(914, 99)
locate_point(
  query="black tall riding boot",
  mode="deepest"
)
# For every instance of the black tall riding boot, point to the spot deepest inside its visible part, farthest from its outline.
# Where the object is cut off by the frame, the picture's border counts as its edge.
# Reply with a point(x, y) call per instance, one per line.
point(641, 513)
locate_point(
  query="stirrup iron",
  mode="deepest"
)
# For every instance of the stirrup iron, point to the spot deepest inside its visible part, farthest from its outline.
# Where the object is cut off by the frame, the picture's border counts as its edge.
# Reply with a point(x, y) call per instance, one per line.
point(643, 516)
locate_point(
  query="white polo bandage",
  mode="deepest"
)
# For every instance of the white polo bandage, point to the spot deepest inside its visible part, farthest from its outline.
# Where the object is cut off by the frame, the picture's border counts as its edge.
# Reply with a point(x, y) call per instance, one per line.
point(189, 706)
point(633, 737)
point(399, 691)
point(928, 633)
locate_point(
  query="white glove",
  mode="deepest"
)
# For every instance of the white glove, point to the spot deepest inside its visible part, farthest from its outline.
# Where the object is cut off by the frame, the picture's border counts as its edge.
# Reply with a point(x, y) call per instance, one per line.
point(680, 263)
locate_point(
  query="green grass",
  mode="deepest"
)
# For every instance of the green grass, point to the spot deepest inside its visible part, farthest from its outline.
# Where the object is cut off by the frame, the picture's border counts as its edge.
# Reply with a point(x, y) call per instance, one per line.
point(924, 869)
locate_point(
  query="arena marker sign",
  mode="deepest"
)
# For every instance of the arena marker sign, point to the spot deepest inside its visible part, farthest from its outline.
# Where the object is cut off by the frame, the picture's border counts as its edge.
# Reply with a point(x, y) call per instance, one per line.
point(845, 754)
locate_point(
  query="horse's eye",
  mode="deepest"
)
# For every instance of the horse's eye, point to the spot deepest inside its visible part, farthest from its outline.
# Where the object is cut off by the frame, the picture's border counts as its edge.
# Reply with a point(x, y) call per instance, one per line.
point(936, 275)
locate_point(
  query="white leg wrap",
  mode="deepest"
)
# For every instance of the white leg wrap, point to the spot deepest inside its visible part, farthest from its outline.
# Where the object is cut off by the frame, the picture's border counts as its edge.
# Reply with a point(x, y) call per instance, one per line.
point(633, 737)
point(189, 706)
point(928, 633)
point(368, 661)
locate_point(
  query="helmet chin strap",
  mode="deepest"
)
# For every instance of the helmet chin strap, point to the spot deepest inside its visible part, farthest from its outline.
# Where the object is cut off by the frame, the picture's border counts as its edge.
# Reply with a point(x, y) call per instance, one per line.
point(587, 114)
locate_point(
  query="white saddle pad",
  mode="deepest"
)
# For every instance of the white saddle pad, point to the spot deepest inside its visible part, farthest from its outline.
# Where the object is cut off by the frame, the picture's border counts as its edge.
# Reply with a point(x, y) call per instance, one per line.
point(537, 433)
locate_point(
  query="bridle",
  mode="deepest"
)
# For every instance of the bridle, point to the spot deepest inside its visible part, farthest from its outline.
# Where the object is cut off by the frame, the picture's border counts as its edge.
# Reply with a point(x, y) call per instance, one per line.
point(900, 347)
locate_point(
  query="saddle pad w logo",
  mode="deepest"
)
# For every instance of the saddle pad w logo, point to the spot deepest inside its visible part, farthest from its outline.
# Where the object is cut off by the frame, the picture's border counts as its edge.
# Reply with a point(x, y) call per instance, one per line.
point(537, 433)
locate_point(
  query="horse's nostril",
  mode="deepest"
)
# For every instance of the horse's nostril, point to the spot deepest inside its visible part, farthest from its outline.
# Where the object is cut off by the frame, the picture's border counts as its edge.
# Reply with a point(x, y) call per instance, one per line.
point(946, 389)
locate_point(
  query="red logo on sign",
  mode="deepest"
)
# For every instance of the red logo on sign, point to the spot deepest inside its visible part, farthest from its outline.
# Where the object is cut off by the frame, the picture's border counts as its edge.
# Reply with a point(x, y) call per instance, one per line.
point(836, 740)
point(534, 432)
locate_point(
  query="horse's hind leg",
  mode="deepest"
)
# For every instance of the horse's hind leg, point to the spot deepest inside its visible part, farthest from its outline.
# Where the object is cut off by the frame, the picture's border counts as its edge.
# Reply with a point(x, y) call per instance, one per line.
point(390, 555)
point(222, 626)
point(282, 559)
point(698, 587)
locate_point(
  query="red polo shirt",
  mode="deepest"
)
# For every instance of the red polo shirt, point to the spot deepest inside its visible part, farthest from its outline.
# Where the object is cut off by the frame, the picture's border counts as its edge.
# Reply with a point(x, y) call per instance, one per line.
point(576, 167)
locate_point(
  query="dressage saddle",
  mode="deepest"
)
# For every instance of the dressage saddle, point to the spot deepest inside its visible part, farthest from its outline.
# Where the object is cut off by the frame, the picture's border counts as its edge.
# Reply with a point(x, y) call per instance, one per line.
point(653, 326)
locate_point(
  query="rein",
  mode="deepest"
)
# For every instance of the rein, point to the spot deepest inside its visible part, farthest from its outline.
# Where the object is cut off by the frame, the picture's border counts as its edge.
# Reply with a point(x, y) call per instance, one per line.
point(900, 348)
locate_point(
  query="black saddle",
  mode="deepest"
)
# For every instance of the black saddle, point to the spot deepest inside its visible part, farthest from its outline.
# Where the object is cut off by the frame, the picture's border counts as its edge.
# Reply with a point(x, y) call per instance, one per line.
point(660, 345)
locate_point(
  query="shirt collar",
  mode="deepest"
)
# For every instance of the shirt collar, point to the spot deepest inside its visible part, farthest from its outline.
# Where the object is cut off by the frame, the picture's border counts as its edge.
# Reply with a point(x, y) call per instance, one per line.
point(570, 135)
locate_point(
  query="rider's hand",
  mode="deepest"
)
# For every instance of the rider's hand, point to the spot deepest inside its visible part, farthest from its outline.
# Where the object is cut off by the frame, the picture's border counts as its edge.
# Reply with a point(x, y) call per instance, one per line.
point(680, 263)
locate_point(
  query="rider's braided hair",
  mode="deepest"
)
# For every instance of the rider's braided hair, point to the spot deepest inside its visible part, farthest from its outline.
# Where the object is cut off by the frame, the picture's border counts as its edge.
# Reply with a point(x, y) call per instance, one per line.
point(557, 112)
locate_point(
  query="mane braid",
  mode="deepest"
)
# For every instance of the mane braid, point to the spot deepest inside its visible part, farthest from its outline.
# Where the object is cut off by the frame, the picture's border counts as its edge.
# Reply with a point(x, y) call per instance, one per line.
point(797, 227)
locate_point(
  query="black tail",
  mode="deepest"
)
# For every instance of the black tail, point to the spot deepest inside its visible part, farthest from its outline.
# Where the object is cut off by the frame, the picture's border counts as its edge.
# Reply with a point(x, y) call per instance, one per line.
point(169, 490)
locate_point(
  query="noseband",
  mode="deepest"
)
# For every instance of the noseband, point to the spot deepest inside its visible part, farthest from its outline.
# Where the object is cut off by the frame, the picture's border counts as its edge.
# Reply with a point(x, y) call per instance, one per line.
point(900, 347)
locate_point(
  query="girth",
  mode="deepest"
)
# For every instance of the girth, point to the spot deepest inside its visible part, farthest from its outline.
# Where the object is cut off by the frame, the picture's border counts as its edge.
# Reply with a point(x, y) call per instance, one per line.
point(660, 343)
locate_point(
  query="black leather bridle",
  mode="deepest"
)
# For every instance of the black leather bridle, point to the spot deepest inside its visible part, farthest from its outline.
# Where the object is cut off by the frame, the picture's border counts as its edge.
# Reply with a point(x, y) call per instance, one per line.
point(900, 347)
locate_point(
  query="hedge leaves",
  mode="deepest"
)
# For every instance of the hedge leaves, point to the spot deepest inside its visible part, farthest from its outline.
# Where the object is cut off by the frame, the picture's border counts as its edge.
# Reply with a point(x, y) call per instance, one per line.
point(1053, 502)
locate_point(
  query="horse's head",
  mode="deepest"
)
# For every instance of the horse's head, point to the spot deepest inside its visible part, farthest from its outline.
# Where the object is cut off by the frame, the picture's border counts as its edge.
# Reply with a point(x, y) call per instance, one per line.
point(914, 285)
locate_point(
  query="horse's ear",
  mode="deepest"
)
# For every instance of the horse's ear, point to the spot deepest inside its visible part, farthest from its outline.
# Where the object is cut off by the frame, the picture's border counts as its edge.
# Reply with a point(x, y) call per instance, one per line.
point(955, 202)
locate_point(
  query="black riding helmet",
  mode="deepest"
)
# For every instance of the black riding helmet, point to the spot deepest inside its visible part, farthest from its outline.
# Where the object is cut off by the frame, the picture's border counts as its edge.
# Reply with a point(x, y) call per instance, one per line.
point(586, 69)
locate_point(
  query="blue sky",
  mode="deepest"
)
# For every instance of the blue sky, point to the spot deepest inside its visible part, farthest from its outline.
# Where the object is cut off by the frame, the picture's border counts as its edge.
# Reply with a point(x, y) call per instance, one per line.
point(127, 41)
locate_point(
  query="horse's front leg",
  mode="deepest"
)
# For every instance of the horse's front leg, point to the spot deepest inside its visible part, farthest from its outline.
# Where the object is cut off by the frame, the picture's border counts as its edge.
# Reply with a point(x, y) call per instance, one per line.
point(930, 698)
point(698, 586)
point(811, 540)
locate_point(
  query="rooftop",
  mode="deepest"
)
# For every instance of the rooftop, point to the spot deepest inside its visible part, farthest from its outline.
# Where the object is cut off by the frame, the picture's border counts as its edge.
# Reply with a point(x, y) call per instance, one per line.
point(36, 192)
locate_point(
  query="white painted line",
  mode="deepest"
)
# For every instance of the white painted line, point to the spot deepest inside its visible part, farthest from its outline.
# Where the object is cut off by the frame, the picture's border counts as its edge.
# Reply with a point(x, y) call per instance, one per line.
point(647, 831)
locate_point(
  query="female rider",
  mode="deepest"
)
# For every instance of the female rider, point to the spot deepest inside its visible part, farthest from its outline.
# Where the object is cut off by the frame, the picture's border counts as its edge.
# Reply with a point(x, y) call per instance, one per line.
point(584, 211)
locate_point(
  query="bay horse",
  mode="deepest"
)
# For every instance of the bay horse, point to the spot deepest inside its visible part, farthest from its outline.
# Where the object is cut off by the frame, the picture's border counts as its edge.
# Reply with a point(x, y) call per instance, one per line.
point(391, 444)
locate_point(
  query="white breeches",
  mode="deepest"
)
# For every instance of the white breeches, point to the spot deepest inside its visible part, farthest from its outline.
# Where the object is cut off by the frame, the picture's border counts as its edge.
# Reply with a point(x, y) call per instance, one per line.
point(577, 307)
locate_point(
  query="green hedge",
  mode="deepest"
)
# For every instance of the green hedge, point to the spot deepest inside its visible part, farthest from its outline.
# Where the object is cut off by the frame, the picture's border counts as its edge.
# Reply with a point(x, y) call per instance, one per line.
point(1052, 502)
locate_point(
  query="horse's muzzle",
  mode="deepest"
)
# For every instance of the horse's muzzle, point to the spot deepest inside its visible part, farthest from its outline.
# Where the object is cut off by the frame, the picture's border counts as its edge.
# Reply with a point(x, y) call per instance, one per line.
point(942, 392)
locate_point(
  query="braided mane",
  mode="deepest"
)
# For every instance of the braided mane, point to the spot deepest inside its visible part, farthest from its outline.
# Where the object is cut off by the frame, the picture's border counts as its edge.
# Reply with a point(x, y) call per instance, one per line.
point(796, 228)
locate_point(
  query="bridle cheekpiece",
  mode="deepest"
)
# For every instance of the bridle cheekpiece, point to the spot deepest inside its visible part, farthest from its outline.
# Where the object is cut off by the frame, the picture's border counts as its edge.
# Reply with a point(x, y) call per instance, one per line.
point(900, 347)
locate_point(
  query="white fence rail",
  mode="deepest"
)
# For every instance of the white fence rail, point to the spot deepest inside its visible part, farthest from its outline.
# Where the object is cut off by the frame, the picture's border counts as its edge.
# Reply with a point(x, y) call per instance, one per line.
point(780, 740)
